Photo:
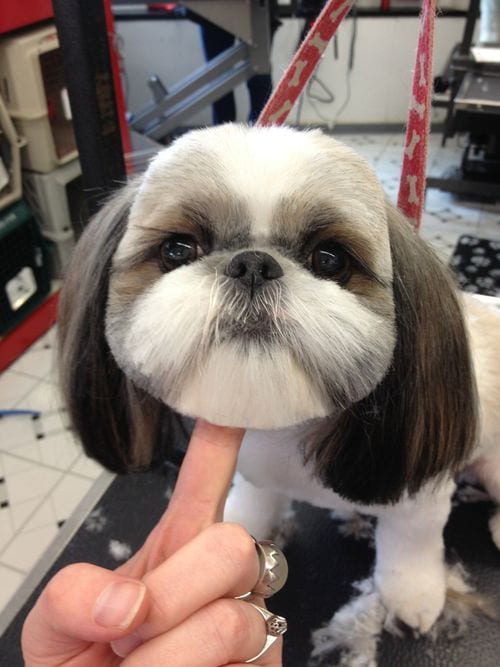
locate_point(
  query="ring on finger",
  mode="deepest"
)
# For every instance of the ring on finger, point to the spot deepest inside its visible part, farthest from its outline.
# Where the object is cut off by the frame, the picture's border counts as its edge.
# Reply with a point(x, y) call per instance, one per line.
point(276, 626)
point(273, 570)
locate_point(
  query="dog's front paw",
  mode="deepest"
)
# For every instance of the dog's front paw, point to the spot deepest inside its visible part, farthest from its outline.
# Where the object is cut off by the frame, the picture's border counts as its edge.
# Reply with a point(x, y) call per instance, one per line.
point(260, 525)
point(260, 510)
point(414, 597)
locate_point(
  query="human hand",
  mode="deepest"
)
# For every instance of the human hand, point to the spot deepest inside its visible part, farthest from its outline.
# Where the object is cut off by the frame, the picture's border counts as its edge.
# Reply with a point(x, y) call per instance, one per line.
point(173, 601)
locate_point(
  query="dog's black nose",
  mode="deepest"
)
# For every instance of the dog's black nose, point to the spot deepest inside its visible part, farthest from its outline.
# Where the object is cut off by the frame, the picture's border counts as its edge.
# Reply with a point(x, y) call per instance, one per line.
point(253, 268)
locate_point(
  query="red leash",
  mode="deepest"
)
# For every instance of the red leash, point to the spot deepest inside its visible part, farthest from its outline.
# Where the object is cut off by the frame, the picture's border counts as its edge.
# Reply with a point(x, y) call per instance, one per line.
point(412, 184)
point(303, 63)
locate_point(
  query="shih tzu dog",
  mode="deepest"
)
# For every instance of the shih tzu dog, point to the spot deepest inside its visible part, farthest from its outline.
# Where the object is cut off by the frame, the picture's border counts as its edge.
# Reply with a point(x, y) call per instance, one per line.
point(260, 278)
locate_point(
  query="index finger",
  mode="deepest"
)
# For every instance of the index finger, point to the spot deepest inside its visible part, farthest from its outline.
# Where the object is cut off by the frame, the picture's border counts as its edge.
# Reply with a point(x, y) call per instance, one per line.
point(202, 485)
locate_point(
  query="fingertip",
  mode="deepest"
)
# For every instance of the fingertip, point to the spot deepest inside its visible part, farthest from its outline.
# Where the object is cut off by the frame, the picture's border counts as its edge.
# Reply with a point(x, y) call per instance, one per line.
point(218, 435)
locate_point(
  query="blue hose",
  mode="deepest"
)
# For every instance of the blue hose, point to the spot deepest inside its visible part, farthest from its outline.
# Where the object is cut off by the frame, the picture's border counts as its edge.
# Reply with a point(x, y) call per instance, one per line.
point(14, 413)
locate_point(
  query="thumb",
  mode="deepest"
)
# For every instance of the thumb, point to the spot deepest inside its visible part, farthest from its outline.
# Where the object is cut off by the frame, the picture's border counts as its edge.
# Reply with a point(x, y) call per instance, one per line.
point(81, 604)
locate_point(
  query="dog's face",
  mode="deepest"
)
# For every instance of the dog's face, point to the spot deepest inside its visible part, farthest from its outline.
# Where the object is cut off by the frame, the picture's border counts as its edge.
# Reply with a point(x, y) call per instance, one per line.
point(252, 285)
point(259, 278)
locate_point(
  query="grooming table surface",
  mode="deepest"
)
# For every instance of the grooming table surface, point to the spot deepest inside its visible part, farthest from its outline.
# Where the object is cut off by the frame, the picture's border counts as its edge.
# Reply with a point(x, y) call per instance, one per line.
point(323, 566)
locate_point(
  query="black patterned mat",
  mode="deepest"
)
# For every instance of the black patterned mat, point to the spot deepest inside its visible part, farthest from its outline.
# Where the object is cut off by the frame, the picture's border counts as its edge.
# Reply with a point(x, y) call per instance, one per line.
point(324, 563)
point(476, 262)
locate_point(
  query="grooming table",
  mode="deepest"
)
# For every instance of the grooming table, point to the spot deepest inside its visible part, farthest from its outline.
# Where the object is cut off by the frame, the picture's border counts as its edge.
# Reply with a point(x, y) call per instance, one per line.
point(323, 566)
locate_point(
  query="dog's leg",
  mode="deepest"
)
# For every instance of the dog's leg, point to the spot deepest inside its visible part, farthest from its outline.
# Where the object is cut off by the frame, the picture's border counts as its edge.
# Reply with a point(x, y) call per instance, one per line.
point(260, 510)
point(410, 568)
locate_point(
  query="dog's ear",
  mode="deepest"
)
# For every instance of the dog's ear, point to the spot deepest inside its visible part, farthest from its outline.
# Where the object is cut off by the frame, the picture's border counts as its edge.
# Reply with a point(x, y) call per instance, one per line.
point(420, 421)
point(119, 424)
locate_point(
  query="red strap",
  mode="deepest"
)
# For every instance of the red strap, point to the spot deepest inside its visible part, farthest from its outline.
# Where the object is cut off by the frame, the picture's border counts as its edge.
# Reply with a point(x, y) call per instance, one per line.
point(293, 81)
point(303, 63)
point(412, 184)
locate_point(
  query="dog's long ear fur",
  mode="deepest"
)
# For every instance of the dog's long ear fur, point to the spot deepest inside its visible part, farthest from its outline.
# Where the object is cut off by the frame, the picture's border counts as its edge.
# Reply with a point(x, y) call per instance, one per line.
point(118, 423)
point(420, 421)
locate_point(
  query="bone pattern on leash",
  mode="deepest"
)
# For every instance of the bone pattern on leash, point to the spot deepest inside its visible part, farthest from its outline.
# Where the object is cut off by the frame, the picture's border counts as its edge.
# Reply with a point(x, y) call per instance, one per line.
point(294, 79)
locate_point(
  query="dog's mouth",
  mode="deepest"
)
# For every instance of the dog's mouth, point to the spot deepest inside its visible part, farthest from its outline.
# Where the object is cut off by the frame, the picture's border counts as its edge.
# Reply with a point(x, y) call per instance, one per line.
point(257, 327)
point(245, 316)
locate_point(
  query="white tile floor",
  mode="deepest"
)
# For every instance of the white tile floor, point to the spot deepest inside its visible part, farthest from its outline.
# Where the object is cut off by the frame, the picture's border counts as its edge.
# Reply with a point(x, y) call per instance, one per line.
point(44, 473)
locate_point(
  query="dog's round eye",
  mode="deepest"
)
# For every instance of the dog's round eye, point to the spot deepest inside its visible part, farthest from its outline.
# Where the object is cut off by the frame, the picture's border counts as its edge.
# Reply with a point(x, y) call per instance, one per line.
point(330, 260)
point(179, 249)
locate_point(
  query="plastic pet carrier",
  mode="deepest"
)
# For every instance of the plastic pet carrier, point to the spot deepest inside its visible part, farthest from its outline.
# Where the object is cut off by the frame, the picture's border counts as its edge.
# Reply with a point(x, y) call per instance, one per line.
point(24, 275)
point(34, 91)
point(10, 160)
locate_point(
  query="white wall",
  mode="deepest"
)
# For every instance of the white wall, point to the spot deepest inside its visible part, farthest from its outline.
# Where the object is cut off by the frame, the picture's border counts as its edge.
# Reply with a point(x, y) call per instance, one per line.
point(380, 81)
point(381, 77)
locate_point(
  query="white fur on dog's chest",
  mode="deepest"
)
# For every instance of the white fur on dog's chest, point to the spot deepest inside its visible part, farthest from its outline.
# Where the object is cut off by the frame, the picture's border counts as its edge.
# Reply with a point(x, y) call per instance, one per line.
point(409, 574)
point(273, 460)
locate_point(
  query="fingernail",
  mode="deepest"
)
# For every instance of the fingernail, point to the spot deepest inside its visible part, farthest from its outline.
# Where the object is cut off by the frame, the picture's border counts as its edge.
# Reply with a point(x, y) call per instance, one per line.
point(118, 604)
point(125, 646)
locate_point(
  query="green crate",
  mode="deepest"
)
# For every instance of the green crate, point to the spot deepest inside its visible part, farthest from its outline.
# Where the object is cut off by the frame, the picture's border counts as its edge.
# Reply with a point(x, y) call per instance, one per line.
point(24, 275)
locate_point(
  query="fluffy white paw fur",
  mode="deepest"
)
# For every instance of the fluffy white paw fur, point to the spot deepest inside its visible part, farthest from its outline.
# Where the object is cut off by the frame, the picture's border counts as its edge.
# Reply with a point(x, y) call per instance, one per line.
point(415, 597)
point(355, 629)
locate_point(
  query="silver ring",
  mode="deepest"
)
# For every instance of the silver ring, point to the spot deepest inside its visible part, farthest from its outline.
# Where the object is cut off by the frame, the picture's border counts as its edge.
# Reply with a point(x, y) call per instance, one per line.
point(275, 627)
point(273, 570)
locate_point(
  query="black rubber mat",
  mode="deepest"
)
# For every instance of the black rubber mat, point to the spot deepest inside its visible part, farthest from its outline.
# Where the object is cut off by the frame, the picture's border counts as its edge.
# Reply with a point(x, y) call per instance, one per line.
point(477, 265)
point(323, 566)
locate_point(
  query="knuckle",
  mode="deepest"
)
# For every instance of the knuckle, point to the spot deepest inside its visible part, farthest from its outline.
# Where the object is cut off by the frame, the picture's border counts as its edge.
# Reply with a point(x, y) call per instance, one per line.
point(231, 623)
point(62, 583)
point(232, 539)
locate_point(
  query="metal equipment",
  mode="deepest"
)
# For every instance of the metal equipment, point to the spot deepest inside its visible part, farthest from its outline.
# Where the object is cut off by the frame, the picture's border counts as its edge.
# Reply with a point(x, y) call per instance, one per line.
point(470, 90)
point(249, 21)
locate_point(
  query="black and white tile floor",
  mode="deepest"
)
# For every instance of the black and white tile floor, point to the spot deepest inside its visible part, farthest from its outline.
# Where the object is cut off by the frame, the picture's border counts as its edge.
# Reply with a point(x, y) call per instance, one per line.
point(43, 472)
